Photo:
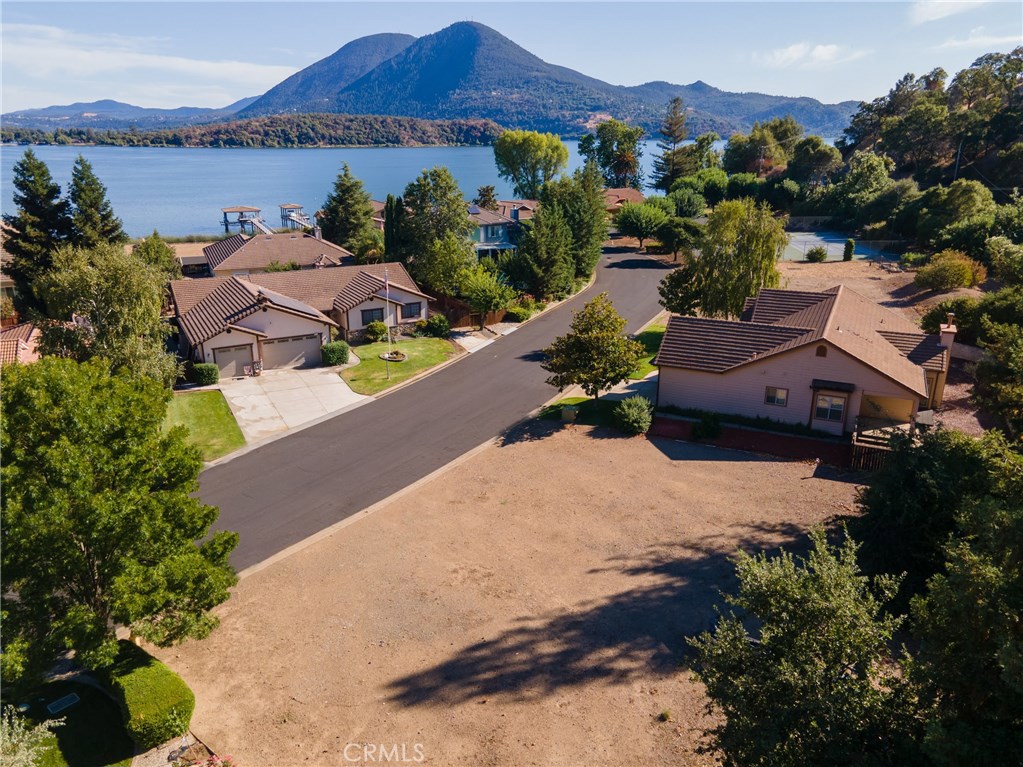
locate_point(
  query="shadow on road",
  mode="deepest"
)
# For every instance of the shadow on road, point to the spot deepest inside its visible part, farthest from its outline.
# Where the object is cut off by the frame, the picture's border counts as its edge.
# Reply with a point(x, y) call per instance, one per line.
point(615, 639)
point(639, 263)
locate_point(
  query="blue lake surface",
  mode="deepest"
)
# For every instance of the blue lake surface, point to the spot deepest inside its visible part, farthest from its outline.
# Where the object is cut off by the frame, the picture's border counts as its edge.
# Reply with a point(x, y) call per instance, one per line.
point(181, 191)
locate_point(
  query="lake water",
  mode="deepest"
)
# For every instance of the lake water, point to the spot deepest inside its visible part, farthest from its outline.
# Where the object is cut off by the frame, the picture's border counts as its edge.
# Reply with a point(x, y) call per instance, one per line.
point(181, 191)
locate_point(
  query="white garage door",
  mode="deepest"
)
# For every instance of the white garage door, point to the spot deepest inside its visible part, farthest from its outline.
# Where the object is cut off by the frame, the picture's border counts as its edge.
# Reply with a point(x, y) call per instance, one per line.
point(291, 352)
point(232, 360)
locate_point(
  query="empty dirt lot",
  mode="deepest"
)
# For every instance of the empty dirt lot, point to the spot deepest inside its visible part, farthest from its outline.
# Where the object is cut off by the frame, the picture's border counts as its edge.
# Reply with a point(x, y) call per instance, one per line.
point(529, 606)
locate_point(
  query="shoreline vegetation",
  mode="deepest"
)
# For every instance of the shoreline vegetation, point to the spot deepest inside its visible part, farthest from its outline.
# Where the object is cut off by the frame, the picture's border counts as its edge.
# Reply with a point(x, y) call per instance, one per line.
point(278, 131)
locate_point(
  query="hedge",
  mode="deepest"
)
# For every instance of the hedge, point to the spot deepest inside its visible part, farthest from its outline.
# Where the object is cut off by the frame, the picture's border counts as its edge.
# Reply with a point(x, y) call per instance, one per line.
point(156, 704)
point(335, 353)
point(517, 314)
point(205, 373)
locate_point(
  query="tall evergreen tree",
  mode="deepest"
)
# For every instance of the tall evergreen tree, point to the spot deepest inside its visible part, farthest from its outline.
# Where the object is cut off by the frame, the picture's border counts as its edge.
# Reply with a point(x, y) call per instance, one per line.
point(395, 244)
point(485, 198)
point(581, 200)
point(547, 247)
point(347, 213)
point(616, 150)
point(668, 166)
point(39, 225)
point(92, 218)
point(435, 208)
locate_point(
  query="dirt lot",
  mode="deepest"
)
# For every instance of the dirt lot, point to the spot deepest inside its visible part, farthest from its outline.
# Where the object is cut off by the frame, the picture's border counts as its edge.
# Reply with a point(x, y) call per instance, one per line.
point(526, 607)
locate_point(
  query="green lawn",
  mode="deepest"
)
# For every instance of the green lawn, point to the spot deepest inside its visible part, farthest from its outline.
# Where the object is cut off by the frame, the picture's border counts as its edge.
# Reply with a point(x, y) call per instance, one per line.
point(591, 412)
point(651, 340)
point(370, 375)
point(210, 423)
point(92, 734)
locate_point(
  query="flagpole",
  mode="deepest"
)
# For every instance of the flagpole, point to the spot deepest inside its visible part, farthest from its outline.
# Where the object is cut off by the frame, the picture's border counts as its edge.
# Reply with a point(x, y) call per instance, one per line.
point(387, 322)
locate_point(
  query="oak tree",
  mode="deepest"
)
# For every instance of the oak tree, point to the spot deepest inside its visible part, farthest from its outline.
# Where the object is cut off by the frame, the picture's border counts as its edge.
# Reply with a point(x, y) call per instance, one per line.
point(528, 160)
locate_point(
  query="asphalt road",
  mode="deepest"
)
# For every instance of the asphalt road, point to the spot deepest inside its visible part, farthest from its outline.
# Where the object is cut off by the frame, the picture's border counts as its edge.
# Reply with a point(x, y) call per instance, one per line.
point(296, 486)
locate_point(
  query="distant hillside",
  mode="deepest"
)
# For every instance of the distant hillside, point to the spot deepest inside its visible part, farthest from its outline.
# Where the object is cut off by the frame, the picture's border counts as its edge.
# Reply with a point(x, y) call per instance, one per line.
point(315, 88)
point(282, 131)
point(115, 115)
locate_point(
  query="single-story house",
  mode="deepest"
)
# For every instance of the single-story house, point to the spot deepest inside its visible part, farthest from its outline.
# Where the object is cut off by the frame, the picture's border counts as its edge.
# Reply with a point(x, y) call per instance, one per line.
point(18, 343)
point(615, 198)
point(233, 323)
point(833, 360)
point(282, 318)
point(240, 255)
point(492, 233)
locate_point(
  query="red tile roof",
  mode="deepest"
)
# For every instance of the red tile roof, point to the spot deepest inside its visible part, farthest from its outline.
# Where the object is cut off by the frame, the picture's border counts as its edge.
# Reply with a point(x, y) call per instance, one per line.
point(18, 343)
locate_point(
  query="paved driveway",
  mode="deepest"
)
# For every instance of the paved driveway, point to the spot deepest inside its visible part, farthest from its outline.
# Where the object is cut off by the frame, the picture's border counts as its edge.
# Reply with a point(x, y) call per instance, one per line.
point(280, 400)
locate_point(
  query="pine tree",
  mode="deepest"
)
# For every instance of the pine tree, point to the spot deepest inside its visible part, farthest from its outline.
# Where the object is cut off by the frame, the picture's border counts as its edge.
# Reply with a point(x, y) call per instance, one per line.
point(93, 221)
point(347, 213)
point(668, 165)
point(394, 228)
point(547, 248)
point(39, 225)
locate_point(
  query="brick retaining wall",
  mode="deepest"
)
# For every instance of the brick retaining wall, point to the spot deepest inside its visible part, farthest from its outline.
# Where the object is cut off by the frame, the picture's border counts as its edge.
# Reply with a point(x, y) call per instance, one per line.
point(831, 452)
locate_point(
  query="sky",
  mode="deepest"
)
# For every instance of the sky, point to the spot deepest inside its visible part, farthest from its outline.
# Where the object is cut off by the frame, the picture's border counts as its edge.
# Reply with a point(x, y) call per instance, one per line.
point(210, 54)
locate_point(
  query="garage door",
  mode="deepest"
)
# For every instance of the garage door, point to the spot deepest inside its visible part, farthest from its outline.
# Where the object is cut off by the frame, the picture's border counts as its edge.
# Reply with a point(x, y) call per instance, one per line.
point(232, 360)
point(291, 352)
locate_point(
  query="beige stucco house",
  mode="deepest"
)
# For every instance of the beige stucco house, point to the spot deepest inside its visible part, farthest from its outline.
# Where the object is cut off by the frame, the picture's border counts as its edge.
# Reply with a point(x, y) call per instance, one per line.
point(833, 360)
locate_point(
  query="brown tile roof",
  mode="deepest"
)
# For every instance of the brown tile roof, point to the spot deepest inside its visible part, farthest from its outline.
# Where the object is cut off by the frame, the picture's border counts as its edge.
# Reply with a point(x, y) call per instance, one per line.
point(224, 302)
point(779, 320)
point(261, 250)
point(320, 287)
point(613, 198)
point(18, 343)
point(483, 217)
point(358, 289)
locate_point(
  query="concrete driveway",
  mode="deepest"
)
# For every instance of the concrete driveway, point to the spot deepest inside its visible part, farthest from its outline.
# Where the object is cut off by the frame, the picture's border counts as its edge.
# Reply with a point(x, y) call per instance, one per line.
point(279, 400)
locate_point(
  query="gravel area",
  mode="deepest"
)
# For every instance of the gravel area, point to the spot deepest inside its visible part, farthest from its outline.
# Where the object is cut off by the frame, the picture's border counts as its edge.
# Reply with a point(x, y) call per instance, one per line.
point(529, 606)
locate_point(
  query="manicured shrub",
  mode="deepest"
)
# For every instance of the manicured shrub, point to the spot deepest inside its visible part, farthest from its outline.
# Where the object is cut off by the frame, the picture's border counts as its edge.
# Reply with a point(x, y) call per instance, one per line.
point(817, 254)
point(517, 314)
point(155, 702)
point(376, 331)
point(709, 427)
point(438, 326)
point(205, 374)
point(948, 270)
point(849, 249)
point(633, 415)
point(334, 353)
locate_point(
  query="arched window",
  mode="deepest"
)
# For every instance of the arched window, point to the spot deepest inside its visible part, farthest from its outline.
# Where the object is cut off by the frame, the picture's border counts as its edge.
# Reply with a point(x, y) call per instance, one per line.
point(822, 351)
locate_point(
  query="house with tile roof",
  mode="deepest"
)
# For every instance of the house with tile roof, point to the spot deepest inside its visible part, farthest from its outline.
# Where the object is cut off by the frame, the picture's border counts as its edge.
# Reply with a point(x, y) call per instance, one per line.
point(493, 233)
point(832, 360)
point(615, 198)
point(282, 318)
point(18, 343)
point(241, 255)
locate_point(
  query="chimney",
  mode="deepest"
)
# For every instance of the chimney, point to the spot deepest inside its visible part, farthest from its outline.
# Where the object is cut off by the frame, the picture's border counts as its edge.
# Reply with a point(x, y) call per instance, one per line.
point(948, 332)
point(317, 232)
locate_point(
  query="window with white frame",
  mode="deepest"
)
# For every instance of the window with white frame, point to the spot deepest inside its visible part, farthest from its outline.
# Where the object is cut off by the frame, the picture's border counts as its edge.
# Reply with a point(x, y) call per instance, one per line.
point(829, 408)
point(776, 396)
point(411, 311)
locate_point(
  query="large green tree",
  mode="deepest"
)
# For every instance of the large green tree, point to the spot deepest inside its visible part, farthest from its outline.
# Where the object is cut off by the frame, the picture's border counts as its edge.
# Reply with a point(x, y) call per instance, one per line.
point(813, 161)
point(741, 245)
point(595, 354)
point(154, 251)
point(641, 221)
point(440, 263)
point(581, 200)
point(670, 165)
point(681, 290)
point(616, 150)
point(347, 213)
point(107, 303)
point(546, 246)
point(92, 217)
point(484, 291)
point(528, 160)
point(435, 208)
point(814, 684)
point(395, 236)
point(101, 523)
point(39, 225)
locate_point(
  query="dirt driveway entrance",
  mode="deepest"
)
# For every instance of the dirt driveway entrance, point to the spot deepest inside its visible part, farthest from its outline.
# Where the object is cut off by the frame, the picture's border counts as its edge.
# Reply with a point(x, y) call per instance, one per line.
point(529, 606)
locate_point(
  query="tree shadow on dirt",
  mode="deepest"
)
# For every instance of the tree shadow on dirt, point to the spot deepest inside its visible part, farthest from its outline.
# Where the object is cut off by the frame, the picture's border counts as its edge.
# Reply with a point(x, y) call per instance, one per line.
point(907, 295)
point(633, 634)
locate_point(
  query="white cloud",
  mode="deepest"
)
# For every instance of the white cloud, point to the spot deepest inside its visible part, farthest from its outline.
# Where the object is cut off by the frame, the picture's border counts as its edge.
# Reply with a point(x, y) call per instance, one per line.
point(978, 38)
point(931, 10)
point(806, 56)
point(33, 52)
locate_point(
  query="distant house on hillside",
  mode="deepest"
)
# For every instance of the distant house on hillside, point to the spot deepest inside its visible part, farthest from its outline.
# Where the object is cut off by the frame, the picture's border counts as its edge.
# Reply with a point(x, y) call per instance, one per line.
point(833, 360)
point(282, 318)
point(615, 198)
point(240, 255)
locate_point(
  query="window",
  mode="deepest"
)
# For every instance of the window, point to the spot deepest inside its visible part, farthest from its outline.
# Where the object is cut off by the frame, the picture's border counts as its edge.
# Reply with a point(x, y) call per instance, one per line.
point(822, 351)
point(410, 311)
point(775, 396)
point(494, 232)
point(372, 315)
point(829, 408)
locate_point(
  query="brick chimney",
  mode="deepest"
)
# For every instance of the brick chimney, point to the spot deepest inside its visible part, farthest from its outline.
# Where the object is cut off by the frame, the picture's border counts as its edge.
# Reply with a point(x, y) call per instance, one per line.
point(948, 331)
